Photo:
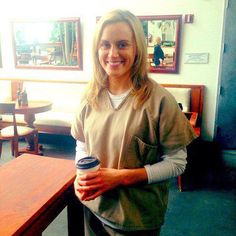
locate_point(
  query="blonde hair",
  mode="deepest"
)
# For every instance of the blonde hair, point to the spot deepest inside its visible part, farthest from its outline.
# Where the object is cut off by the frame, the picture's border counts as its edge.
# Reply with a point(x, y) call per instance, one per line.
point(139, 77)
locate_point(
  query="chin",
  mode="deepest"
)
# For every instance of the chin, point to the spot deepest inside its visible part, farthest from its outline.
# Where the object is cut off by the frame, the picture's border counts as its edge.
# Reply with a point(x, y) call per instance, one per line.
point(113, 72)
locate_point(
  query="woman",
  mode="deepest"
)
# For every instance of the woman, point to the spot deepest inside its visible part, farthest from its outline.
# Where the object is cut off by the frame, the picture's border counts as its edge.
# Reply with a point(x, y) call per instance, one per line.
point(158, 54)
point(136, 129)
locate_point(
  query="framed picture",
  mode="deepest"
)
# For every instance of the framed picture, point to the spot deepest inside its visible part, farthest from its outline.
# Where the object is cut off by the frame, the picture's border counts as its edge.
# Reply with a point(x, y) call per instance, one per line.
point(47, 44)
point(163, 42)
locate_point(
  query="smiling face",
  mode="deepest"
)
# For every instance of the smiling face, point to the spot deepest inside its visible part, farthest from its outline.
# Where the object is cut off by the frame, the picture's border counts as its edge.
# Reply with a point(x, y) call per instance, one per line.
point(117, 50)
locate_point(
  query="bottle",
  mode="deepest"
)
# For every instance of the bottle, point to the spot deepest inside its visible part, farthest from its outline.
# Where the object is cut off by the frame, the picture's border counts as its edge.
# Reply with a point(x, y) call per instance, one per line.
point(18, 94)
point(24, 98)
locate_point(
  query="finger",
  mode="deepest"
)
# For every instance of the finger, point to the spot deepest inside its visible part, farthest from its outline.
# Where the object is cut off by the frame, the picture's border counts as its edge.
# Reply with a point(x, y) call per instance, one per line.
point(94, 187)
point(89, 175)
point(95, 181)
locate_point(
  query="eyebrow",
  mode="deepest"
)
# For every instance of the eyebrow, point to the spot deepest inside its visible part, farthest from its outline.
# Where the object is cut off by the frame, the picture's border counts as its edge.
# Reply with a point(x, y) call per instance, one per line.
point(122, 40)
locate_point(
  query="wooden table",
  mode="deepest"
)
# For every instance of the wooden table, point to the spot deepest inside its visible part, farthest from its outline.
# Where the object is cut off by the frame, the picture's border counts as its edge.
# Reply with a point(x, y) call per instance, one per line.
point(31, 109)
point(33, 191)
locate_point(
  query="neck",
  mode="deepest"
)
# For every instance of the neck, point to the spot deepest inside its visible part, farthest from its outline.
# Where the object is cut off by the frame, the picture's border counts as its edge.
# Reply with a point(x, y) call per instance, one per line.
point(118, 86)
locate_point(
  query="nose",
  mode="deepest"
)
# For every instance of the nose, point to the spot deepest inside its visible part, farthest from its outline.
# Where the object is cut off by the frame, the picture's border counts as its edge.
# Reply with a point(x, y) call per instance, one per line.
point(113, 51)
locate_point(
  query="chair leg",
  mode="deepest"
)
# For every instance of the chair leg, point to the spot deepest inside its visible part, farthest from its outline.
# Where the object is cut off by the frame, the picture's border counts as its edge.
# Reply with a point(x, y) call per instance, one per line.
point(0, 148)
point(12, 147)
point(180, 183)
point(16, 148)
point(36, 143)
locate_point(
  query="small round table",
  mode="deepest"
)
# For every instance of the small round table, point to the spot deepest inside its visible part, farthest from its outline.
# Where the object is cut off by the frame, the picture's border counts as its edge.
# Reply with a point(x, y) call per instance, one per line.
point(29, 112)
point(31, 109)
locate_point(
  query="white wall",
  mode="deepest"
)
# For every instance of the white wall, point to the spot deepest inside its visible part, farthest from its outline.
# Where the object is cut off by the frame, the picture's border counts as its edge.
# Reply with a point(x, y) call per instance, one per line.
point(204, 35)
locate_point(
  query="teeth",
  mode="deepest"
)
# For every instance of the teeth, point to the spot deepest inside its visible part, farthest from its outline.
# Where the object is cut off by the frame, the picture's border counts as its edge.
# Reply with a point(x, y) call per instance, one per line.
point(114, 62)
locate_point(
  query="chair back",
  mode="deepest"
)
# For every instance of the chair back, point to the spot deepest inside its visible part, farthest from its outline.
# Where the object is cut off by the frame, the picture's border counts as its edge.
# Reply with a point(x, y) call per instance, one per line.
point(9, 109)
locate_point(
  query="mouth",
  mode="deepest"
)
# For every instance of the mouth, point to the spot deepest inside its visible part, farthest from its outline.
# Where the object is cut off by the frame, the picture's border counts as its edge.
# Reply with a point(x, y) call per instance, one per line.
point(115, 63)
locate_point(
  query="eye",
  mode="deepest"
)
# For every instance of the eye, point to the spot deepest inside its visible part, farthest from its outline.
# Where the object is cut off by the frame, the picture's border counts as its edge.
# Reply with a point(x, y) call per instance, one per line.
point(104, 45)
point(122, 44)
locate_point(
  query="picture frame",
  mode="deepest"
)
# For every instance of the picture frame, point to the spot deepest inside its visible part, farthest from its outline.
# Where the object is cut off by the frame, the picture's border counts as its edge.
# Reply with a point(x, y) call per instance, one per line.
point(167, 28)
point(47, 44)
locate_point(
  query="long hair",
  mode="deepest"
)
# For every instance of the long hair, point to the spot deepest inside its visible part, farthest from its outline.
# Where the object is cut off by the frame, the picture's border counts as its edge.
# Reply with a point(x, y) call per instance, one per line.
point(139, 76)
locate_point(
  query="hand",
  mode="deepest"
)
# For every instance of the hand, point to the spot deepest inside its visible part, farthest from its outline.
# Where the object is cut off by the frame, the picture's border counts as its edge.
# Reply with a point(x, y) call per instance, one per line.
point(93, 184)
point(79, 193)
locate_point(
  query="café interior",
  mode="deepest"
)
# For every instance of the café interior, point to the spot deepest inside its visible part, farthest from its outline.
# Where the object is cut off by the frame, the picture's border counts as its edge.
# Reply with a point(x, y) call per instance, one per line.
point(45, 68)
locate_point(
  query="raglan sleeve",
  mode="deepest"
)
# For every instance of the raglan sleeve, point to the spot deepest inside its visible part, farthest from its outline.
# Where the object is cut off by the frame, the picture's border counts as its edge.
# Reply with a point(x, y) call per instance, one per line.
point(175, 130)
point(77, 125)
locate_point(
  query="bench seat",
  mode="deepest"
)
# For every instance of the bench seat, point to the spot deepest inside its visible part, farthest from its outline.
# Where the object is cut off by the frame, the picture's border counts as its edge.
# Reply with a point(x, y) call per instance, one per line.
point(47, 122)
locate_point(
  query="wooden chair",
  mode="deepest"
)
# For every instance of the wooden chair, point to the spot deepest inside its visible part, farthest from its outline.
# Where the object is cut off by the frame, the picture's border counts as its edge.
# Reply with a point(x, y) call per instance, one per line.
point(13, 133)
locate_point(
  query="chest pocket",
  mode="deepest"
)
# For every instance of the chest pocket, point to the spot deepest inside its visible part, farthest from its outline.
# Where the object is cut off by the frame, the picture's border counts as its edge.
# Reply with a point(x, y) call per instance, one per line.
point(140, 154)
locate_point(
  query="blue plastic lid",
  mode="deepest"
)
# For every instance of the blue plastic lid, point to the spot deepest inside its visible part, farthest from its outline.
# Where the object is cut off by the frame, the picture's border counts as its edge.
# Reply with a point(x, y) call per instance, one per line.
point(87, 162)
